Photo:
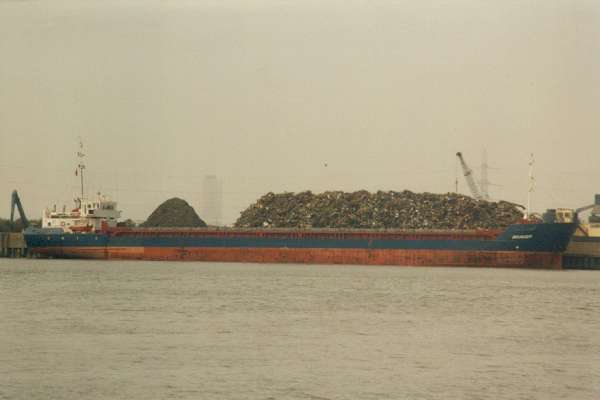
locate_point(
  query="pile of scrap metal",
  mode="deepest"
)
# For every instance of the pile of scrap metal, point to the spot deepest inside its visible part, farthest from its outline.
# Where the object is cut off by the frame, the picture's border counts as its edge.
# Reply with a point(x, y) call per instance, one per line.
point(380, 210)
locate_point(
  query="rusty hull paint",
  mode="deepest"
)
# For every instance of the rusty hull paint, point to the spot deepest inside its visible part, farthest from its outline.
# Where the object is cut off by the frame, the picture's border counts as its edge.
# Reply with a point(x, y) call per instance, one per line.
point(399, 257)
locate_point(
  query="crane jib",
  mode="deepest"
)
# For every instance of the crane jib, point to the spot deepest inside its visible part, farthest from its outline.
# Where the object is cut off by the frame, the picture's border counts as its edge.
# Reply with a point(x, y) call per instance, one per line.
point(16, 201)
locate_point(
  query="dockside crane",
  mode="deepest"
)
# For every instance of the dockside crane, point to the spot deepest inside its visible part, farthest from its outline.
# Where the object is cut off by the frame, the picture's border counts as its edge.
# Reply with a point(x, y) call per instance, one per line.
point(468, 173)
point(16, 201)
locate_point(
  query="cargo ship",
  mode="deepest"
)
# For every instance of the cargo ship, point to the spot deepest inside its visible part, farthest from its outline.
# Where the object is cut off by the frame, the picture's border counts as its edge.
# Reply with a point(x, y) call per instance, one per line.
point(90, 231)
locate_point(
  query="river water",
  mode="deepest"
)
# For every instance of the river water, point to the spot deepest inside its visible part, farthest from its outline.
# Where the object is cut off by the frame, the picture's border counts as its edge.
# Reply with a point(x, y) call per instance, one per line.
point(160, 330)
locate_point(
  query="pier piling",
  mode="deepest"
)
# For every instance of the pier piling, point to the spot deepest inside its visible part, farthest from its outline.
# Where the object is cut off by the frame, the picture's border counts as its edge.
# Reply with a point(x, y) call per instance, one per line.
point(12, 245)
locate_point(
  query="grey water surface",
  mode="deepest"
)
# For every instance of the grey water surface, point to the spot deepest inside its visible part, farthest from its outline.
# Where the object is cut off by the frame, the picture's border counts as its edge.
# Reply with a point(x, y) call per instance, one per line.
point(160, 330)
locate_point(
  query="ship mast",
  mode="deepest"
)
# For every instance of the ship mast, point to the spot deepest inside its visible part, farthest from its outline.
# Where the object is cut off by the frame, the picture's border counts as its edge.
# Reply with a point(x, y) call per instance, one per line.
point(80, 166)
point(531, 186)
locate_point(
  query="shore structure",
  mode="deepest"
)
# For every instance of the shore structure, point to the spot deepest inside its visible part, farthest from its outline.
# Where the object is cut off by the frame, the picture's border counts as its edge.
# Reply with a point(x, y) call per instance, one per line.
point(12, 244)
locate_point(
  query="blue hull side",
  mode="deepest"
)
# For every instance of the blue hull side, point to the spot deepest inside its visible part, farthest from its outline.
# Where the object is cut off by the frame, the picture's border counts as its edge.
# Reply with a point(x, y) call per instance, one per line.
point(530, 238)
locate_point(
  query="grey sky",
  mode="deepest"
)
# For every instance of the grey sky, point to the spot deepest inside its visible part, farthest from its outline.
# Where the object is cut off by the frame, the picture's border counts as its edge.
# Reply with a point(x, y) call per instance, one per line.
point(264, 93)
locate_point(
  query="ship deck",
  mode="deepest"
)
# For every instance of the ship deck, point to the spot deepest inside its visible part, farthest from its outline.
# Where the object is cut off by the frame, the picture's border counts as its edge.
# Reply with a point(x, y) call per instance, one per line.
point(312, 233)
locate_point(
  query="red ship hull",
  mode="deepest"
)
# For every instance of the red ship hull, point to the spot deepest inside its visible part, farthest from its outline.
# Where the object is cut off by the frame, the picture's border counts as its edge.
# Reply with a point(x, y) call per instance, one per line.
point(399, 257)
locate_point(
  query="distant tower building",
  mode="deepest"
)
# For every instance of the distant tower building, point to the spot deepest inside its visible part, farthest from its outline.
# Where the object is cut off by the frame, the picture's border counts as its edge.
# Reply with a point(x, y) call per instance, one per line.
point(212, 200)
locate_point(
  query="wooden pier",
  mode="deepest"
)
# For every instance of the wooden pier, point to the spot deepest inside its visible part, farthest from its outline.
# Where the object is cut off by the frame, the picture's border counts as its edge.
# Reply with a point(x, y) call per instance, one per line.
point(12, 245)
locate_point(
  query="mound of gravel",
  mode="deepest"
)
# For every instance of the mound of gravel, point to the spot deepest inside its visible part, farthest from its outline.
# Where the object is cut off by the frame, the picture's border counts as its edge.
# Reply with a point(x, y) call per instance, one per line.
point(389, 210)
point(174, 212)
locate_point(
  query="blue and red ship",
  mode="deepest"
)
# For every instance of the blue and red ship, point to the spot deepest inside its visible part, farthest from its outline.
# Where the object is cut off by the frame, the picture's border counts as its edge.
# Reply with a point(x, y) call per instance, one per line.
point(539, 245)
point(90, 230)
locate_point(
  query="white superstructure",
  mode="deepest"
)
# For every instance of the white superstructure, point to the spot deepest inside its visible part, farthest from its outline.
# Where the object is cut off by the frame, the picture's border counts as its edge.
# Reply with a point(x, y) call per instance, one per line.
point(87, 216)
